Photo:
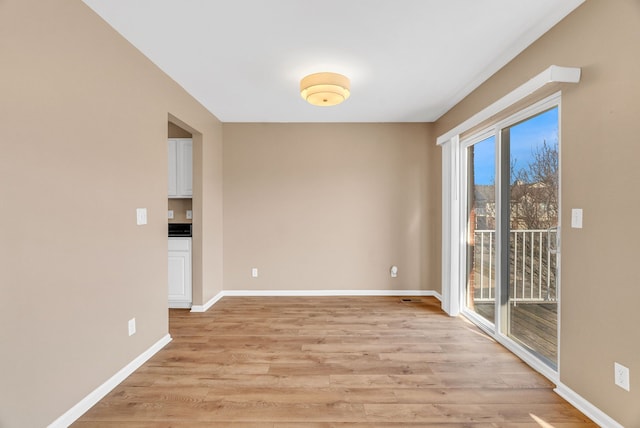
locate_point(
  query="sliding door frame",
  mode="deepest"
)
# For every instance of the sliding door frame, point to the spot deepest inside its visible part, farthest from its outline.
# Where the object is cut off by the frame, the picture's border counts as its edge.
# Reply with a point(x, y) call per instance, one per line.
point(552, 77)
point(499, 330)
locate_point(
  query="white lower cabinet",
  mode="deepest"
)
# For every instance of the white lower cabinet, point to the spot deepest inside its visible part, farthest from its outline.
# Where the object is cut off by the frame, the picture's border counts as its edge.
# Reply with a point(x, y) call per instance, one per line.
point(179, 272)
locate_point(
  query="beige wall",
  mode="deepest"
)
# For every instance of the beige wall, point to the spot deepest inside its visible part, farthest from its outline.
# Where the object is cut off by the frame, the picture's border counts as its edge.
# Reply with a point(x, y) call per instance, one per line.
point(329, 206)
point(69, 283)
point(599, 173)
point(174, 131)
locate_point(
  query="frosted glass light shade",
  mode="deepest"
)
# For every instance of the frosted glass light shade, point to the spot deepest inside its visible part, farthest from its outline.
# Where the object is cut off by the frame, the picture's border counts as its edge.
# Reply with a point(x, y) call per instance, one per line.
point(325, 89)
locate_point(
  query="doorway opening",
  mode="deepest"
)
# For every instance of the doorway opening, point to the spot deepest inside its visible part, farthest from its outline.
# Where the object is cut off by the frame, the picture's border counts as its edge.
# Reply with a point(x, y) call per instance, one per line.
point(180, 216)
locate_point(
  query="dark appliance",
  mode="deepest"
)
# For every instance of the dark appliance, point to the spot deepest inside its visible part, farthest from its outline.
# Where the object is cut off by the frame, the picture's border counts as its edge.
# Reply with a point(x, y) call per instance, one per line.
point(179, 230)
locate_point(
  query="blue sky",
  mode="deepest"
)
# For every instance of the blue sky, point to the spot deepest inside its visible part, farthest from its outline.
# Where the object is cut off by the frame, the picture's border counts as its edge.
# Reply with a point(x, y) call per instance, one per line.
point(525, 137)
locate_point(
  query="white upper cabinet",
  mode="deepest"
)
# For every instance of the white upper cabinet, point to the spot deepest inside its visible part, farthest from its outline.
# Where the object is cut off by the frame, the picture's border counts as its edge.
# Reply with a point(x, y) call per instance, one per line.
point(180, 151)
point(185, 168)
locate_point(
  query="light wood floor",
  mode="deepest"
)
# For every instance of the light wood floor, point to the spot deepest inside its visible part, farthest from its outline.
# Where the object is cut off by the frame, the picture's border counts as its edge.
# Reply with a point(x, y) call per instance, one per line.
point(284, 362)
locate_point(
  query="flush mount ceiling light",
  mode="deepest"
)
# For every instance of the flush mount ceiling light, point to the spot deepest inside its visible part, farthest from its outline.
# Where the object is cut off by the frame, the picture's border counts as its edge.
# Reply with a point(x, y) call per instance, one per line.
point(325, 89)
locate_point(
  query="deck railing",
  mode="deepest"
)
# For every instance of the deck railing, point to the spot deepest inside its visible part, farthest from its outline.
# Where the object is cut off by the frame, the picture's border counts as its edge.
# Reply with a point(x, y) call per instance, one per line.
point(532, 266)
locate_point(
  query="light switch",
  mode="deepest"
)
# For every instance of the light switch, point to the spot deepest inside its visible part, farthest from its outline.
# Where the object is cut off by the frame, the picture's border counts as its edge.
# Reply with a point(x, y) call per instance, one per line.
point(132, 326)
point(576, 218)
point(170, 214)
point(189, 214)
point(141, 216)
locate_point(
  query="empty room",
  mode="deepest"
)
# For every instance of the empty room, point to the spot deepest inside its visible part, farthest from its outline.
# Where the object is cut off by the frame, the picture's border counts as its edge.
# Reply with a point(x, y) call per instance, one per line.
point(357, 213)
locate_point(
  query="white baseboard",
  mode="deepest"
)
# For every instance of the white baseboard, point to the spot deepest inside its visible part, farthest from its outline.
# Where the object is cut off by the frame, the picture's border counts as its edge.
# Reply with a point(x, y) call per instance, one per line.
point(206, 306)
point(311, 293)
point(329, 293)
point(71, 415)
point(595, 414)
point(179, 305)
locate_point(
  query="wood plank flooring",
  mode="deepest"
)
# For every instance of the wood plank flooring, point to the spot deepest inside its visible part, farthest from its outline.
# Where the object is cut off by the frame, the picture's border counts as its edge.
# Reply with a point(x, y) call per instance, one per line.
point(319, 362)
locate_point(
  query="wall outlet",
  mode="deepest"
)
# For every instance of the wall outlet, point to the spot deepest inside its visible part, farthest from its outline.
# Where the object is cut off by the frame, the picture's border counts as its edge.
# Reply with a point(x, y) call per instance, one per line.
point(394, 271)
point(189, 215)
point(621, 376)
point(132, 326)
point(170, 214)
point(254, 272)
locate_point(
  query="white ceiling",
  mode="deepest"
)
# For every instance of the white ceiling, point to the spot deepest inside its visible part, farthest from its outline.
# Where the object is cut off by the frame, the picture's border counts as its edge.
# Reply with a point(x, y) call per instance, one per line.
point(408, 60)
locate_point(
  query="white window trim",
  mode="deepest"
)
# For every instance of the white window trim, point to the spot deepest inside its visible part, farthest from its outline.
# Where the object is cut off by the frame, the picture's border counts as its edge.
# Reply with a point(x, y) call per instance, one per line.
point(553, 74)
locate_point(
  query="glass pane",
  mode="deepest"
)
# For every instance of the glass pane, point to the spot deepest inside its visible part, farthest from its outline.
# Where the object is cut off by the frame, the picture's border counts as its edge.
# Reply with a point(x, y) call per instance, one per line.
point(481, 228)
point(533, 220)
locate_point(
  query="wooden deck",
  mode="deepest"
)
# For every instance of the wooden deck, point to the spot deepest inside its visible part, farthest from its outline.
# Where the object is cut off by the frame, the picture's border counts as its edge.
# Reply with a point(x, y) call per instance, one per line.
point(321, 362)
point(533, 324)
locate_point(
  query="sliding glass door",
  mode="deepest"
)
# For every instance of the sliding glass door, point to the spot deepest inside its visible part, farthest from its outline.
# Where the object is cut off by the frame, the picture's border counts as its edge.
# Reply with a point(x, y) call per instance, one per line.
point(530, 210)
point(480, 293)
point(512, 231)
